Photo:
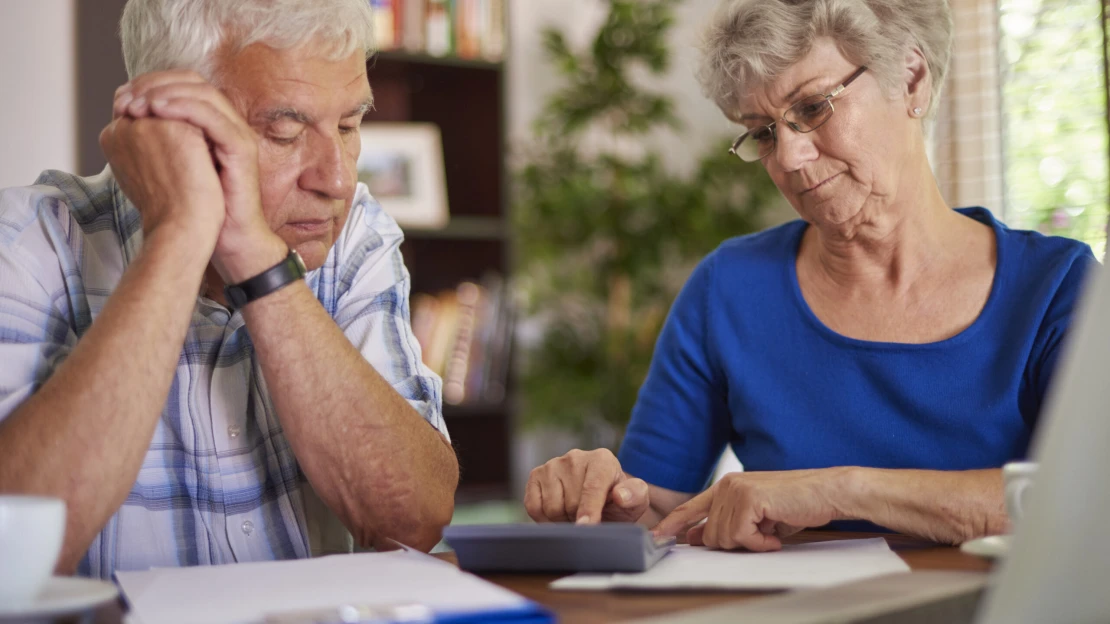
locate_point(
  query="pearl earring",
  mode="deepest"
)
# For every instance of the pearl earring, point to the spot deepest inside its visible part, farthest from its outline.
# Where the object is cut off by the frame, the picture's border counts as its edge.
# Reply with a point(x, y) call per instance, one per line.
point(917, 111)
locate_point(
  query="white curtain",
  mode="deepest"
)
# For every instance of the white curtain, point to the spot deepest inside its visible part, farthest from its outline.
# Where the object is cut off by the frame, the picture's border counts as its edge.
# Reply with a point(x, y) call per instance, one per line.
point(966, 139)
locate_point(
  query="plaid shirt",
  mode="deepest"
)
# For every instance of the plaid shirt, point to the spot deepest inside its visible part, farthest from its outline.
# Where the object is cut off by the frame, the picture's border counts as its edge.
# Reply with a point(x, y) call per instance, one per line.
point(219, 483)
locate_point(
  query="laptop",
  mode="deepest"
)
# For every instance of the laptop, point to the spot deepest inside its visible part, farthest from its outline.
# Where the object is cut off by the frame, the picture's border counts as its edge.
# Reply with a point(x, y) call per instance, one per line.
point(1059, 565)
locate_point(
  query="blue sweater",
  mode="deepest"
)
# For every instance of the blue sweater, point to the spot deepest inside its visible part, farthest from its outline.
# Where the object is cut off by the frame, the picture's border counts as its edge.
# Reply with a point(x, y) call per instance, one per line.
point(742, 360)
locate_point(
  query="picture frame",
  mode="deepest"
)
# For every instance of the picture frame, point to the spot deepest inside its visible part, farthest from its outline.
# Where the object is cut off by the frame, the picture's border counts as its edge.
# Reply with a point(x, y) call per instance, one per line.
point(402, 164)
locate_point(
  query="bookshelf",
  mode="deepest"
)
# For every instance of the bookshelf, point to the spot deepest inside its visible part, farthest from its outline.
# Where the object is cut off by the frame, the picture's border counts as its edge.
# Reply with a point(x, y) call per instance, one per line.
point(404, 56)
point(465, 99)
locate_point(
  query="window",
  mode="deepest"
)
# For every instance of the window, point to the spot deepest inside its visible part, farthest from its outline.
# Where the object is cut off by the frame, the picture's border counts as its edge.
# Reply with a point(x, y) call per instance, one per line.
point(1054, 118)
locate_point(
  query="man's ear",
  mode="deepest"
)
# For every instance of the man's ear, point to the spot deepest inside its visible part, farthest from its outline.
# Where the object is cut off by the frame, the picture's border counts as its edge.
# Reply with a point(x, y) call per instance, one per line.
point(917, 83)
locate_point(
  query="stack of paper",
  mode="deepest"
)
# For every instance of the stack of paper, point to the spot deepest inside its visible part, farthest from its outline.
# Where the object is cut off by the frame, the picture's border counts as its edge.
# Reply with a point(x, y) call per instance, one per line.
point(251, 592)
point(819, 564)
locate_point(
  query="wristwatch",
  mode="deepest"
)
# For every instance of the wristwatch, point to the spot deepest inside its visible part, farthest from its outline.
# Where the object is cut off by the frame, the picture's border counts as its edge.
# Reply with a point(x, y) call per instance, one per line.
point(274, 278)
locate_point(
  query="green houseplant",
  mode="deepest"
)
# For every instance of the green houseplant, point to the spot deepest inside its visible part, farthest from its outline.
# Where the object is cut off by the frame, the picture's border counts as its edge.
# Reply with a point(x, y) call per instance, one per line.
point(605, 235)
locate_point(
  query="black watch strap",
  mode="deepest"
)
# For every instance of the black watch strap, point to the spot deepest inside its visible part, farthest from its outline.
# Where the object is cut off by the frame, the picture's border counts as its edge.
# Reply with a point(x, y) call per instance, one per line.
point(275, 278)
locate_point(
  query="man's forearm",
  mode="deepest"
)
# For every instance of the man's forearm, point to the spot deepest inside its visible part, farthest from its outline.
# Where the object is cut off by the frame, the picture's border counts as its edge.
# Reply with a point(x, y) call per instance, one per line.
point(366, 451)
point(83, 435)
point(944, 506)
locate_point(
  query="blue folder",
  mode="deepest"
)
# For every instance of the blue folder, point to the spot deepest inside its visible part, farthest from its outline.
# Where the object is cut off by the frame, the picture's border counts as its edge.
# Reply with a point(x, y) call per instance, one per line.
point(531, 614)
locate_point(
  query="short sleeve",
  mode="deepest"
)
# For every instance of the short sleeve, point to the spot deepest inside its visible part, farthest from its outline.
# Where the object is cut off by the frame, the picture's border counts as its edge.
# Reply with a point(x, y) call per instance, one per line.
point(680, 422)
point(372, 308)
point(1051, 338)
point(35, 335)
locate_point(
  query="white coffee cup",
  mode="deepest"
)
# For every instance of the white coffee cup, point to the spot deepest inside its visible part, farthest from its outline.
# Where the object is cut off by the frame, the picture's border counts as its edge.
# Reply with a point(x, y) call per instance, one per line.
point(31, 532)
point(1018, 477)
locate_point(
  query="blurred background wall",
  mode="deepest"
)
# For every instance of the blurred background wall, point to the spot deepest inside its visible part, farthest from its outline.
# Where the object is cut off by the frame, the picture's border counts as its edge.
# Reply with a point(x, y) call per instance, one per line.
point(38, 83)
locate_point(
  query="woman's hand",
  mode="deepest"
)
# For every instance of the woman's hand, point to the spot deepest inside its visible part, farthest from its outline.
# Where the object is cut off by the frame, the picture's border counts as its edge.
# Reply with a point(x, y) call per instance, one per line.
point(754, 510)
point(586, 487)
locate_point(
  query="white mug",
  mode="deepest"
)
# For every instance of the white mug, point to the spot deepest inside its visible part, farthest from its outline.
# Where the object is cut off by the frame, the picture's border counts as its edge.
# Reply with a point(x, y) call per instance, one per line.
point(1018, 477)
point(31, 532)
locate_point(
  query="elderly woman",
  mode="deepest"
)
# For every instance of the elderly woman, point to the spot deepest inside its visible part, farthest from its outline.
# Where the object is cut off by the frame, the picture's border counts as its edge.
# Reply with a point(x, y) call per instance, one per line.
point(877, 360)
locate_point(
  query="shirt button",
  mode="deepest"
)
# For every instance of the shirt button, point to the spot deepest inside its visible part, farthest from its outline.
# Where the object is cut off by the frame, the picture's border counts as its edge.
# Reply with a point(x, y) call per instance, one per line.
point(233, 431)
point(248, 527)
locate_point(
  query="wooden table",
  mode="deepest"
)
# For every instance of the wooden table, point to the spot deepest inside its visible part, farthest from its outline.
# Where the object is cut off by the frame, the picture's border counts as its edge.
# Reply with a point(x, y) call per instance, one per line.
point(598, 607)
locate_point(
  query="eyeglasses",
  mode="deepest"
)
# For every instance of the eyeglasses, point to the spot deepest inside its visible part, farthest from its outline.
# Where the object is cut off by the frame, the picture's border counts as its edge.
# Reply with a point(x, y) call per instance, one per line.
point(803, 116)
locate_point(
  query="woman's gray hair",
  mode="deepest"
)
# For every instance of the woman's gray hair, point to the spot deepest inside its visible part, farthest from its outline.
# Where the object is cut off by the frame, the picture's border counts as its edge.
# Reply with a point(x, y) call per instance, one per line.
point(751, 42)
point(186, 34)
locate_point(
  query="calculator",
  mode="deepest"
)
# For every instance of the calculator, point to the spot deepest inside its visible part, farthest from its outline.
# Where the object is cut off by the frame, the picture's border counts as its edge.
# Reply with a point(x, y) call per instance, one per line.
point(556, 547)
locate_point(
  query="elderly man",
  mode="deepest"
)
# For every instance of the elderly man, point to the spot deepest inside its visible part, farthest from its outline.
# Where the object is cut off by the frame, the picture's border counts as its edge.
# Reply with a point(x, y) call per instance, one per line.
point(168, 367)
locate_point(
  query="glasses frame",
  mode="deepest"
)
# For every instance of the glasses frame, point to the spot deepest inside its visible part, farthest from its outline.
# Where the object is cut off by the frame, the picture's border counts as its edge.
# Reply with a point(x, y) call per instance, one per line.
point(793, 126)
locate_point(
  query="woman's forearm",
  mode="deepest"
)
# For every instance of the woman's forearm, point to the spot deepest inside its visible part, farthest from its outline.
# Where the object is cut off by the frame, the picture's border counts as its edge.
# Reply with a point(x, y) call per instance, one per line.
point(944, 506)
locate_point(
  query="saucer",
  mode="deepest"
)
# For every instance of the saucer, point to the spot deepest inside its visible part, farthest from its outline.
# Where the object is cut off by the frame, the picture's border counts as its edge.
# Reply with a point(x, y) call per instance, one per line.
point(61, 595)
point(991, 547)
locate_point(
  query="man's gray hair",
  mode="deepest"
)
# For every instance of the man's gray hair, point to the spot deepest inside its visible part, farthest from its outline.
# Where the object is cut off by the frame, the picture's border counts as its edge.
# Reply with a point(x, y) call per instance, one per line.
point(187, 34)
point(751, 42)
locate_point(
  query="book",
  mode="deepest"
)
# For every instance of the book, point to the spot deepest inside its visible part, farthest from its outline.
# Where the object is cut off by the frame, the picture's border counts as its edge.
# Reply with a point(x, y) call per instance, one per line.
point(493, 35)
point(413, 24)
point(485, 324)
point(469, 29)
point(383, 23)
point(443, 335)
point(467, 297)
point(465, 337)
point(398, 23)
point(497, 366)
point(437, 22)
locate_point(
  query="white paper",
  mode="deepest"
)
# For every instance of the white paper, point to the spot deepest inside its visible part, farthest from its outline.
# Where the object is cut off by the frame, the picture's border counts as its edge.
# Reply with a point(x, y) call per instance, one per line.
point(818, 564)
point(245, 593)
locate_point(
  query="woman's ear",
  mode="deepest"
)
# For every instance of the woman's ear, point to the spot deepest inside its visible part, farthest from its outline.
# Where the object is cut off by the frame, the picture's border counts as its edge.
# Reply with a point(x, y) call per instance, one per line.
point(918, 83)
